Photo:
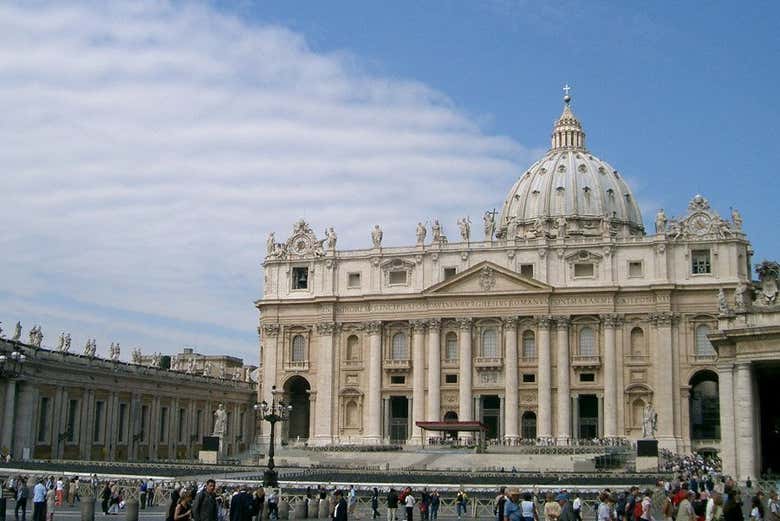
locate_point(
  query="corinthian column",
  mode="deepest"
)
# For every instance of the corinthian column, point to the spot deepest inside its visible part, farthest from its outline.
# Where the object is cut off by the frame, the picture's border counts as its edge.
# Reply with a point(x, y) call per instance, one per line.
point(663, 380)
point(564, 384)
point(745, 424)
point(544, 400)
point(418, 379)
point(510, 379)
point(465, 409)
point(323, 428)
point(611, 322)
point(434, 370)
point(270, 348)
point(374, 398)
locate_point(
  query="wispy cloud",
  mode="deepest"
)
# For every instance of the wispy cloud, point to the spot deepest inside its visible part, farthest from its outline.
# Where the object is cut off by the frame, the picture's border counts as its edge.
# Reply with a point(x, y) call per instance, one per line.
point(149, 148)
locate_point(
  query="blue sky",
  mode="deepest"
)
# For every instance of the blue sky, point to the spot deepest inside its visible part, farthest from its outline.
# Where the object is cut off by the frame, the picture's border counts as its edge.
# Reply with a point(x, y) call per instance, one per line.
point(151, 147)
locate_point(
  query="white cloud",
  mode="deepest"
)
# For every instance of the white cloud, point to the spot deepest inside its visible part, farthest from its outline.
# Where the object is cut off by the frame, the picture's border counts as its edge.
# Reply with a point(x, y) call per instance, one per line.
point(148, 149)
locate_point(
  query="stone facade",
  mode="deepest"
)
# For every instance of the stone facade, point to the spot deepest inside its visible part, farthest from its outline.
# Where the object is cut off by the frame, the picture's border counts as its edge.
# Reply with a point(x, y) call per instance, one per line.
point(77, 406)
point(562, 323)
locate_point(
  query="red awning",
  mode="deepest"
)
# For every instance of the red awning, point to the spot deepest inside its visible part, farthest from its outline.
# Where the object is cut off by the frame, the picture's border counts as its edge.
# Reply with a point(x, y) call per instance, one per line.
point(452, 426)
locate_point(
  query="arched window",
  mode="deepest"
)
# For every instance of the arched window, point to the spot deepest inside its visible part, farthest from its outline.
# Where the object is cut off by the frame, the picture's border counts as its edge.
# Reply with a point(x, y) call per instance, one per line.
point(451, 346)
point(399, 347)
point(587, 342)
point(528, 426)
point(298, 348)
point(353, 348)
point(489, 343)
point(529, 345)
point(703, 346)
point(637, 341)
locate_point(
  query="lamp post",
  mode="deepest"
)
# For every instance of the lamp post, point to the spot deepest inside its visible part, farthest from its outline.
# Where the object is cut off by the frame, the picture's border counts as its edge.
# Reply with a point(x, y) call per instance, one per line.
point(273, 413)
point(11, 364)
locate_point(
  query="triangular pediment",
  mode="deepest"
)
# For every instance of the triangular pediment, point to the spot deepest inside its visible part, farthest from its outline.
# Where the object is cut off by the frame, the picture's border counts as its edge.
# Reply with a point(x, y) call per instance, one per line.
point(487, 277)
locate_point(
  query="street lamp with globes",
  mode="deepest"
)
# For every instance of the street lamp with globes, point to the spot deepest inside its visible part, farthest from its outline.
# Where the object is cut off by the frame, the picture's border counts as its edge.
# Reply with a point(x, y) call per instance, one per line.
point(273, 413)
point(11, 364)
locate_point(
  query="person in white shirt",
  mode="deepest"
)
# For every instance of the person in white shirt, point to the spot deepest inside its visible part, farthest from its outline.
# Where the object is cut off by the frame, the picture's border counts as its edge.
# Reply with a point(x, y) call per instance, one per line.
point(577, 506)
point(409, 502)
point(772, 507)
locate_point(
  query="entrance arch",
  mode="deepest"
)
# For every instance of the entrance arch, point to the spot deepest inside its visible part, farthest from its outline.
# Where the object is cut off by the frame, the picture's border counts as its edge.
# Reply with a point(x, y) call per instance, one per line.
point(296, 393)
point(450, 416)
point(528, 425)
point(704, 406)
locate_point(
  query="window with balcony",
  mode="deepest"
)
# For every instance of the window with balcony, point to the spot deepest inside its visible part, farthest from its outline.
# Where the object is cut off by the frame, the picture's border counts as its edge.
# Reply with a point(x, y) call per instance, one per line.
point(298, 353)
point(529, 345)
point(451, 347)
point(490, 343)
point(398, 347)
point(587, 343)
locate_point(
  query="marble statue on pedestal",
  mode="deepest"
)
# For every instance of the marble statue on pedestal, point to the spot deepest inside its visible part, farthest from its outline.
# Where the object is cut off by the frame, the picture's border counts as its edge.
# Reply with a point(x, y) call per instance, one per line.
point(17, 331)
point(422, 231)
point(489, 220)
point(649, 422)
point(376, 236)
point(465, 228)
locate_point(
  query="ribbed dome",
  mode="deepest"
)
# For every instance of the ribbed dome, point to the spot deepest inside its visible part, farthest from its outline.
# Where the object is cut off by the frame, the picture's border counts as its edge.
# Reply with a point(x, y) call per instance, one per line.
point(571, 183)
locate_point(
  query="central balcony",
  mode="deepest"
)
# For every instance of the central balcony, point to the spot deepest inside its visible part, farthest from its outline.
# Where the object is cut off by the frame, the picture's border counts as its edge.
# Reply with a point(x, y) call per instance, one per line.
point(586, 361)
point(491, 363)
point(397, 365)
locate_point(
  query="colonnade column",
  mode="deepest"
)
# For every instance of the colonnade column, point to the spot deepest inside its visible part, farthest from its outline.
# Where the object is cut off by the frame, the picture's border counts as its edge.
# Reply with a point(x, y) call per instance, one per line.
point(465, 409)
point(564, 381)
point(745, 428)
point(728, 453)
point(323, 429)
point(611, 322)
point(664, 381)
point(510, 379)
point(7, 433)
point(418, 379)
point(374, 405)
point(269, 357)
point(544, 399)
point(434, 370)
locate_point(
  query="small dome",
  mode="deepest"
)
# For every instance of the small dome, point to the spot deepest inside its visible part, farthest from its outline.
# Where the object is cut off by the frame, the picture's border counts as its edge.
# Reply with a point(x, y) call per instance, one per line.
point(569, 182)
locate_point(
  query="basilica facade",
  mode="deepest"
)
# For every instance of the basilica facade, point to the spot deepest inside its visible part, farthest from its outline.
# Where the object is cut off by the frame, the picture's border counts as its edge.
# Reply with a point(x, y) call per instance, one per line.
point(562, 318)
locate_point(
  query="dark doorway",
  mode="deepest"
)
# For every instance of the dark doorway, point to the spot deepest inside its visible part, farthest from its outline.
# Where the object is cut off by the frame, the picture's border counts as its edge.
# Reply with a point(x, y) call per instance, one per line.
point(769, 414)
point(399, 419)
point(528, 425)
point(296, 391)
point(704, 406)
point(491, 412)
point(588, 422)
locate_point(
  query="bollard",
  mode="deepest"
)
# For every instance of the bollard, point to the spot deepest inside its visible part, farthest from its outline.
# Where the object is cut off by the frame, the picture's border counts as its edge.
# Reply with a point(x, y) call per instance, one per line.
point(299, 511)
point(284, 509)
point(87, 507)
point(314, 508)
point(322, 511)
point(132, 511)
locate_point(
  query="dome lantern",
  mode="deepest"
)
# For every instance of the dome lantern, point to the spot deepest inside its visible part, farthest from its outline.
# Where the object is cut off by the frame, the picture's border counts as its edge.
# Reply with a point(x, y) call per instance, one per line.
point(567, 132)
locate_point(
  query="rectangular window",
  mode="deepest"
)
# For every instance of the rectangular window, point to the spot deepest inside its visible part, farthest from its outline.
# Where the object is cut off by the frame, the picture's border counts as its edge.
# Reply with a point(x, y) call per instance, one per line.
point(449, 273)
point(700, 262)
point(198, 423)
point(450, 378)
point(635, 269)
point(180, 425)
point(527, 270)
point(97, 432)
point(397, 277)
point(122, 434)
point(73, 410)
point(583, 269)
point(163, 424)
point(43, 419)
point(395, 379)
point(144, 423)
point(529, 378)
point(353, 280)
point(587, 377)
point(300, 278)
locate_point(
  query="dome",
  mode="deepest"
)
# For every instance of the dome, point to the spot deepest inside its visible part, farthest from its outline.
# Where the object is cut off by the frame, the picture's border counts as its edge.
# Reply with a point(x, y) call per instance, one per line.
point(569, 191)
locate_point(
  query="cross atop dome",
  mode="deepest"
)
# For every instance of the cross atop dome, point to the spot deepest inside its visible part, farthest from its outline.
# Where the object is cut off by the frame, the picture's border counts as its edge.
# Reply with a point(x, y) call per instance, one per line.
point(567, 132)
point(566, 97)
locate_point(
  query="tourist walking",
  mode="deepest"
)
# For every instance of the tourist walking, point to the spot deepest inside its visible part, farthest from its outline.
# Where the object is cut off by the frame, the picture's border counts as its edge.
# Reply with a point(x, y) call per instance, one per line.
point(685, 508)
point(50, 504)
point(567, 511)
point(22, 495)
point(460, 502)
point(39, 501)
point(409, 502)
point(60, 491)
point(375, 503)
point(273, 504)
point(241, 506)
point(756, 509)
point(352, 501)
point(604, 512)
point(577, 507)
point(435, 502)
point(105, 495)
point(528, 508)
point(511, 507)
point(392, 505)
point(205, 506)
point(340, 510)
point(258, 503)
point(183, 511)
point(498, 509)
point(552, 510)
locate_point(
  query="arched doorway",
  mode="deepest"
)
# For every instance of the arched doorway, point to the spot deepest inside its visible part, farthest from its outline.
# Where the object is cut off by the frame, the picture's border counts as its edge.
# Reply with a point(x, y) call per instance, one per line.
point(704, 406)
point(450, 416)
point(528, 425)
point(296, 393)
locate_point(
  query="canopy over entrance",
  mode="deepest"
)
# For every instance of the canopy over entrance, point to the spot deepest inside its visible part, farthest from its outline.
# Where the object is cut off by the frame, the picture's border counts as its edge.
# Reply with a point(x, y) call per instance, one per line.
point(455, 427)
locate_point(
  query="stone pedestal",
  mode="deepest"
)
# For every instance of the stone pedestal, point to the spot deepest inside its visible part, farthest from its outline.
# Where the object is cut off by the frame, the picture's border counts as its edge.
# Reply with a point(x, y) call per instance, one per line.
point(284, 509)
point(87, 508)
point(131, 511)
point(322, 511)
point(299, 510)
point(314, 506)
point(647, 455)
point(208, 457)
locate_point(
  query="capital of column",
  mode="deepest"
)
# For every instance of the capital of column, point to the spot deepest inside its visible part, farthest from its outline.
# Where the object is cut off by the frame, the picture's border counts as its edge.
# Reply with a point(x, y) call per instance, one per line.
point(562, 322)
point(464, 324)
point(434, 323)
point(664, 318)
point(509, 322)
point(612, 320)
point(327, 328)
point(544, 321)
point(419, 326)
point(374, 327)
point(270, 330)
point(742, 365)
